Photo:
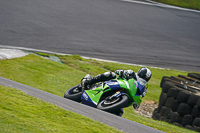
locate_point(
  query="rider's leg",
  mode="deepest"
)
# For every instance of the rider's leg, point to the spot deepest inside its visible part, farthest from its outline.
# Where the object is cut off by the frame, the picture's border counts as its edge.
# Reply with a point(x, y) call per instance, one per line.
point(102, 77)
point(99, 78)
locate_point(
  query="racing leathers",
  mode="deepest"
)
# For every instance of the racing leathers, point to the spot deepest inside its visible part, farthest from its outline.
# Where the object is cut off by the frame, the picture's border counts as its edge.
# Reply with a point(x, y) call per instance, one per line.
point(127, 74)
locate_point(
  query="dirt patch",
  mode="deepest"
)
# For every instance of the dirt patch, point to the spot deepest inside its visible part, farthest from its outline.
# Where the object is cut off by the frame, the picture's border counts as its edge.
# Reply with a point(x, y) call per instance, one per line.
point(11, 53)
point(146, 108)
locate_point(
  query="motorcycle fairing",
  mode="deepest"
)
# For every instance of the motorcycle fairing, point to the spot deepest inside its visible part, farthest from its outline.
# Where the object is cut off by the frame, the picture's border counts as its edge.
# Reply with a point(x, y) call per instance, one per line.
point(113, 84)
point(87, 100)
point(131, 86)
point(92, 97)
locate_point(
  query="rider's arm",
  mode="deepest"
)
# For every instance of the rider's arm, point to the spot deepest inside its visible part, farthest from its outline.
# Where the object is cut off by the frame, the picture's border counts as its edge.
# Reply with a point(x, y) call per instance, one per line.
point(142, 90)
point(127, 74)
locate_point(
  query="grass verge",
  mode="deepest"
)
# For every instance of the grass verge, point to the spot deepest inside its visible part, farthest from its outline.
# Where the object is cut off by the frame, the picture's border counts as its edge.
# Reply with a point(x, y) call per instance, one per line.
point(192, 4)
point(56, 78)
point(22, 113)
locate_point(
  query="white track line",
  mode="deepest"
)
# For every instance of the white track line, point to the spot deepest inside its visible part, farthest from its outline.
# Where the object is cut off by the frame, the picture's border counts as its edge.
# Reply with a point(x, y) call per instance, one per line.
point(152, 3)
point(50, 52)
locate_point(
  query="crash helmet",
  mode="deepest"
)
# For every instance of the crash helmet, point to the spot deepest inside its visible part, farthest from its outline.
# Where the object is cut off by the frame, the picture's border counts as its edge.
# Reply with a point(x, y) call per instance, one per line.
point(144, 73)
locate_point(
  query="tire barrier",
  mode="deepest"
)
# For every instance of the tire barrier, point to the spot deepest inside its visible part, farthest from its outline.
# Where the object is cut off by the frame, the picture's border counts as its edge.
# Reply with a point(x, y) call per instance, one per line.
point(179, 101)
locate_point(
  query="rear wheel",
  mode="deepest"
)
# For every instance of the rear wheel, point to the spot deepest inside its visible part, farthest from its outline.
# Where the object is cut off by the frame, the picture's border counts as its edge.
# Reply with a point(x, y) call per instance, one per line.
point(74, 93)
point(113, 104)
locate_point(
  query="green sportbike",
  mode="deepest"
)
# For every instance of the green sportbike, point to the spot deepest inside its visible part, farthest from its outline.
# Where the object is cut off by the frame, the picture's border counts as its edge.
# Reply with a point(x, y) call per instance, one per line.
point(111, 96)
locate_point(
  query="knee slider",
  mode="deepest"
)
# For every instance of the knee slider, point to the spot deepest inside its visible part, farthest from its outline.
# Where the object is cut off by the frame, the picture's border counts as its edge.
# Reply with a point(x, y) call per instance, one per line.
point(107, 74)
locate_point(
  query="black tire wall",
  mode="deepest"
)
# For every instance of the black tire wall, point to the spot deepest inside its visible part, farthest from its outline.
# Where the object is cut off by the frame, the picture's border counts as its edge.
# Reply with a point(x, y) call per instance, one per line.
point(179, 101)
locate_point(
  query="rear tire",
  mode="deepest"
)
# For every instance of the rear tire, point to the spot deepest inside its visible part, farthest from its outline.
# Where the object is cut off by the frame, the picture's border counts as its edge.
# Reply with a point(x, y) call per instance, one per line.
point(108, 106)
point(74, 93)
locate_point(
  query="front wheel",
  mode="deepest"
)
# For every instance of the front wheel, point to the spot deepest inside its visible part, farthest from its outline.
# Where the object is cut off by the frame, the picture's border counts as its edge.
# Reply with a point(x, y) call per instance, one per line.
point(111, 105)
point(74, 93)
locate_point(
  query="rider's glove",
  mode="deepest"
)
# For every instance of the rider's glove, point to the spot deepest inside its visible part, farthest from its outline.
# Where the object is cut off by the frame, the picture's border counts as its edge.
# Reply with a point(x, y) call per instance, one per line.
point(119, 72)
point(128, 74)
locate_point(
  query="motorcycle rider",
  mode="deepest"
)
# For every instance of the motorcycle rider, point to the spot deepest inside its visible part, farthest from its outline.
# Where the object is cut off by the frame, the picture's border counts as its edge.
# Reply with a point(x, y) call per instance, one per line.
point(142, 77)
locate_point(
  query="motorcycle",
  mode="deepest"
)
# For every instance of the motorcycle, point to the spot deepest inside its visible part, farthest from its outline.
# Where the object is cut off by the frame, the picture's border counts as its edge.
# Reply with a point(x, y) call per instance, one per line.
point(111, 96)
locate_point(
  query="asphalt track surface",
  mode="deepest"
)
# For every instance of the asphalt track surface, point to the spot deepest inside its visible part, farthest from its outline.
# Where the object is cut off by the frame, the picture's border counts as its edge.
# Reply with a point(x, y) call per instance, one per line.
point(119, 30)
point(119, 123)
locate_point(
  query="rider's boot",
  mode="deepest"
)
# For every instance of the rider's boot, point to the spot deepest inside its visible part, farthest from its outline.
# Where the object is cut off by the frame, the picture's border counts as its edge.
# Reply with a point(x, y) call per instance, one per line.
point(84, 82)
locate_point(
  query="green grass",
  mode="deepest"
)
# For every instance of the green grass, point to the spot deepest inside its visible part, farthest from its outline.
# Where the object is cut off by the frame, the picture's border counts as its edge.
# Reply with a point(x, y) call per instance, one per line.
point(192, 4)
point(40, 73)
point(22, 113)
point(56, 78)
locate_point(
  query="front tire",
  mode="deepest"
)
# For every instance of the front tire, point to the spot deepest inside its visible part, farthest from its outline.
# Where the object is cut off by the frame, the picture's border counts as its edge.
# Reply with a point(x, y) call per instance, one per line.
point(112, 106)
point(119, 112)
point(74, 93)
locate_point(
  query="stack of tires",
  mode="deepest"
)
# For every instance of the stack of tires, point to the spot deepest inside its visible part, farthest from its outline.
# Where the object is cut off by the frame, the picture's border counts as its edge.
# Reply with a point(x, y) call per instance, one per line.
point(179, 101)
